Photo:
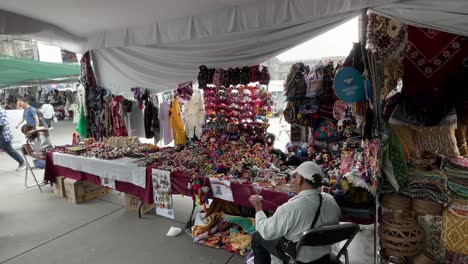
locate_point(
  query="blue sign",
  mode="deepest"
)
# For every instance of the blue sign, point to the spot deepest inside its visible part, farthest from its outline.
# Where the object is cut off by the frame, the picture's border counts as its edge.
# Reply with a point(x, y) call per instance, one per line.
point(349, 85)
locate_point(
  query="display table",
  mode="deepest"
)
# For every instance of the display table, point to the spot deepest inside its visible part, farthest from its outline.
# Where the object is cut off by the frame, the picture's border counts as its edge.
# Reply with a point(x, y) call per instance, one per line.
point(52, 171)
point(137, 181)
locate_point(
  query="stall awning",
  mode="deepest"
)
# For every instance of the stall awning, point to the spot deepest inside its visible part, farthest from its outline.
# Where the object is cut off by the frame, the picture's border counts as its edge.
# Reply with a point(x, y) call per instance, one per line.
point(157, 43)
point(17, 71)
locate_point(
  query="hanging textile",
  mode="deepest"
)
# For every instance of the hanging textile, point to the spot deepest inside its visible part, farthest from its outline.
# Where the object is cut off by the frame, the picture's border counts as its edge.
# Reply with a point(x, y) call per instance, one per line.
point(388, 38)
point(194, 115)
point(166, 130)
point(119, 127)
point(82, 125)
point(135, 121)
point(156, 124)
point(431, 57)
point(175, 121)
point(148, 119)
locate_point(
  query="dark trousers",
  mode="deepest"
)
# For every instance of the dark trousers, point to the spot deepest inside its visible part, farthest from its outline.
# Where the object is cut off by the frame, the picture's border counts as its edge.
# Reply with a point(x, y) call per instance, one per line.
point(263, 248)
point(48, 122)
point(8, 148)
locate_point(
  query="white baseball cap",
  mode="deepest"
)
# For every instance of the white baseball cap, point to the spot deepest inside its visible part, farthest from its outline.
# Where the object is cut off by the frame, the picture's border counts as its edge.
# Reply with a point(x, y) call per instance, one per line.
point(308, 169)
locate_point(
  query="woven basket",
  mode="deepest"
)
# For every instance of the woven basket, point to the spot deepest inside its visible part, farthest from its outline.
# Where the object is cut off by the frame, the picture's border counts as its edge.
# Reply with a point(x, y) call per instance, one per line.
point(396, 202)
point(400, 235)
point(423, 258)
point(426, 207)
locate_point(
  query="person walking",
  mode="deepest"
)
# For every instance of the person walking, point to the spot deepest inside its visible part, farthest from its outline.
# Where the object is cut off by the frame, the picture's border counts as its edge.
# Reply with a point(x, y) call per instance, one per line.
point(48, 112)
point(5, 140)
point(29, 114)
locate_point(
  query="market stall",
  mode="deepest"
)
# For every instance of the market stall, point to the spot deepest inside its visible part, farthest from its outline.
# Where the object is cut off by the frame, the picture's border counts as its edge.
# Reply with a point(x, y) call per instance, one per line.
point(362, 152)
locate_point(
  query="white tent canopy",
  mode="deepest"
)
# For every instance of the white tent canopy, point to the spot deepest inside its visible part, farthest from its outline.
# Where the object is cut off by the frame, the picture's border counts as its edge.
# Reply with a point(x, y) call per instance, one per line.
point(156, 43)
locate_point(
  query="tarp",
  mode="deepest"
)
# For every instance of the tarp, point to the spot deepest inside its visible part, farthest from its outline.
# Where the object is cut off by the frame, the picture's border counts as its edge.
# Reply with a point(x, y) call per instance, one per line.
point(19, 71)
point(154, 43)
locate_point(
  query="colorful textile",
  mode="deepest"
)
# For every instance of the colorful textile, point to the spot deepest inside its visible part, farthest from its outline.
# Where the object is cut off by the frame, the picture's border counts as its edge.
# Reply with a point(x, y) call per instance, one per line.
point(432, 226)
point(455, 233)
point(420, 133)
point(431, 56)
point(462, 136)
point(460, 162)
point(218, 232)
point(459, 207)
point(194, 115)
point(430, 185)
point(119, 127)
point(175, 121)
point(388, 38)
point(166, 129)
point(458, 189)
point(247, 224)
point(456, 258)
point(398, 159)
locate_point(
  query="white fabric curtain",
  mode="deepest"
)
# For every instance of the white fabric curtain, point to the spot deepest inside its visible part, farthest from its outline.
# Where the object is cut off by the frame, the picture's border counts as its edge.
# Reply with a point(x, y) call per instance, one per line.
point(251, 16)
point(447, 15)
point(161, 68)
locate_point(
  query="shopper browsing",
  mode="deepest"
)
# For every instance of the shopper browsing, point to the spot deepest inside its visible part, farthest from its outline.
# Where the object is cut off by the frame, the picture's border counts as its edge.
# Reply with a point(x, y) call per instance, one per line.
point(37, 144)
point(29, 114)
point(5, 140)
point(294, 217)
point(48, 112)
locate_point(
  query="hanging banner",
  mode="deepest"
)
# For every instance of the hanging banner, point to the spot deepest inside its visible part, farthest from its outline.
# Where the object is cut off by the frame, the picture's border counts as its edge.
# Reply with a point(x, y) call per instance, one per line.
point(162, 192)
point(221, 189)
point(349, 85)
point(109, 183)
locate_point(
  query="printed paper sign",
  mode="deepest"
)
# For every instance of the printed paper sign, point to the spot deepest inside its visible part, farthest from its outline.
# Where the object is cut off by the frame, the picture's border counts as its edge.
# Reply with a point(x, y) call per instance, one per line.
point(221, 189)
point(162, 191)
point(109, 183)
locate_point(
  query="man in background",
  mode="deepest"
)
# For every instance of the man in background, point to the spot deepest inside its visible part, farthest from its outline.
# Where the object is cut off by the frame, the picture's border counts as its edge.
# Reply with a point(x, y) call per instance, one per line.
point(48, 112)
point(29, 114)
point(5, 140)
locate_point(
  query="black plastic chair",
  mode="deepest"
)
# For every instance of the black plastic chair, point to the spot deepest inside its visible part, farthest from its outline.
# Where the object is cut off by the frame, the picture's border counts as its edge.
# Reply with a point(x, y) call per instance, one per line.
point(329, 235)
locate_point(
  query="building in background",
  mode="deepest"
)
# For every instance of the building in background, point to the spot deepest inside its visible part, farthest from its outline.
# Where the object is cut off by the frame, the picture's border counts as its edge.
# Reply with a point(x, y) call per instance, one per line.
point(19, 47)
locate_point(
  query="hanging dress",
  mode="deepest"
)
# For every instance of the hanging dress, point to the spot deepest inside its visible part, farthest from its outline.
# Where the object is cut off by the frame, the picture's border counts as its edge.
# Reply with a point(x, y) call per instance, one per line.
point(175, 121)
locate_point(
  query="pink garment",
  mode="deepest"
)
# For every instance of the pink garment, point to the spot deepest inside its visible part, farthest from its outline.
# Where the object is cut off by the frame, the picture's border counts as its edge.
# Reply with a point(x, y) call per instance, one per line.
point(118, 124)
point(166, 130)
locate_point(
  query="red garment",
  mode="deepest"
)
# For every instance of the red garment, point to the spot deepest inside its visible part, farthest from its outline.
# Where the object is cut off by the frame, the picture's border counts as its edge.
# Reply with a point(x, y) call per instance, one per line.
point(431, 56)
point(118, 124)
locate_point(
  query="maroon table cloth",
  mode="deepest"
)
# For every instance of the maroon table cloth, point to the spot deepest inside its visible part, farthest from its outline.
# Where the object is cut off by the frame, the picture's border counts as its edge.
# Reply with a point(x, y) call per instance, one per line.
point(179, 181)
point(180, 185)
point(52, 171)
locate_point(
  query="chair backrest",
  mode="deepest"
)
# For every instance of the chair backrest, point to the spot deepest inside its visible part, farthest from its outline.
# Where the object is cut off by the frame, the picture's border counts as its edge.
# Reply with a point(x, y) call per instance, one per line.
point(328, 235)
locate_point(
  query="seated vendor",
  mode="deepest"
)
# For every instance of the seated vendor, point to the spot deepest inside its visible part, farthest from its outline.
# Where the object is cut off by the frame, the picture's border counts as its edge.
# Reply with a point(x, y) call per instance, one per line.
point(294, 217)
point(37, 144)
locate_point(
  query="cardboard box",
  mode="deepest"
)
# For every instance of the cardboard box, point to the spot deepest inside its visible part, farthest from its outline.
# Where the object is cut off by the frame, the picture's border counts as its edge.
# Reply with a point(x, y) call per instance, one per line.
point(59, 187)
point(80, 191)
point(132, 203)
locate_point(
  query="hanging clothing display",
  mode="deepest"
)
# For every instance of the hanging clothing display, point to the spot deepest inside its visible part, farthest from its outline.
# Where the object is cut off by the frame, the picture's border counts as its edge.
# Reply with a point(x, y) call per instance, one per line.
point(156, 124)
point(119, 126)
point(175, 121)
point(135, 121)
point(427, 67)
point(166, 130)
point(194, 115)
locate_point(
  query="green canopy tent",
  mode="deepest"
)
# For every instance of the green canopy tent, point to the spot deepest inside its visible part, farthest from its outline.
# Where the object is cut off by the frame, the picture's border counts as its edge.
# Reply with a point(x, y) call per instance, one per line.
point(16, 71)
